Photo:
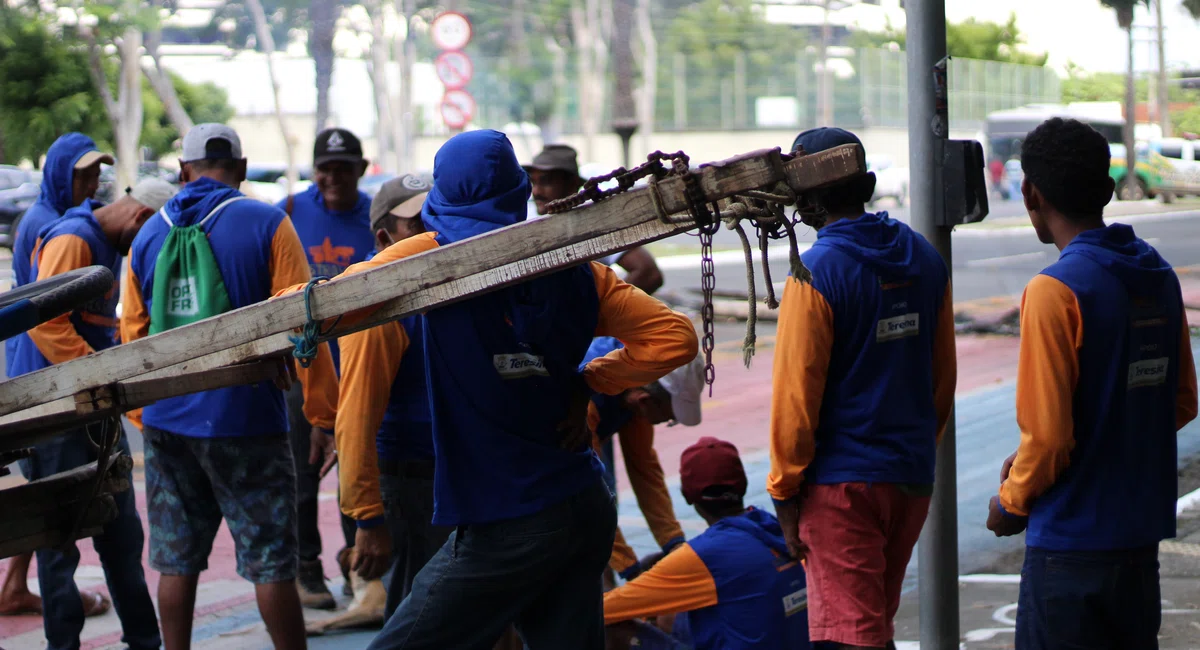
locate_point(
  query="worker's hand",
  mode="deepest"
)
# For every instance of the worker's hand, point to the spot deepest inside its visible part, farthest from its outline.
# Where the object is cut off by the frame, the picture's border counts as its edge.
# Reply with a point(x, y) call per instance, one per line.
point(573, 430)
point(788, 513)
point(1007, 467)
point(1004, 525)
point(286, 377)
point(372, 552)
point(321, 449)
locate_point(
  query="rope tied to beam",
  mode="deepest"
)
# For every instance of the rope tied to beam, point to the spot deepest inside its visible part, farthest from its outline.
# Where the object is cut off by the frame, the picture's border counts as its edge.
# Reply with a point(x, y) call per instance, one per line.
point(306, 344)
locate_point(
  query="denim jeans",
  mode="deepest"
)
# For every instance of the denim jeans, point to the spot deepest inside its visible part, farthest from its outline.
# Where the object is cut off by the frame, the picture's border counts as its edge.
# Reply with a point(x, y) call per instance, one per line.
point(1099, 600)
point(540, 572)
point(407, 491)
point(119, 547)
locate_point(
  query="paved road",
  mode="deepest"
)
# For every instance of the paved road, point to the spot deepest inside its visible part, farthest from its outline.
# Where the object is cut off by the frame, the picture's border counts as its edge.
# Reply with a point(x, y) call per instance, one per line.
point(995, 258)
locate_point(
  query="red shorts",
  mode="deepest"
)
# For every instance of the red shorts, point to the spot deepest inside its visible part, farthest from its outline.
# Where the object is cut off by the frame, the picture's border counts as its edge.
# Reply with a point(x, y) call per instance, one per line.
point(860, 537)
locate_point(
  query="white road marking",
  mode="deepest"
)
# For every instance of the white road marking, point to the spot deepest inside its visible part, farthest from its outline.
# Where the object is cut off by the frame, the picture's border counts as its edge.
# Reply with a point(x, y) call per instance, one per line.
point(1006, 259)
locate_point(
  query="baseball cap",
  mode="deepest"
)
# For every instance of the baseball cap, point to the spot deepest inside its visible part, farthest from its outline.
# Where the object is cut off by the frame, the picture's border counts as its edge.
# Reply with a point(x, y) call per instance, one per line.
point(556, 157)
point(211, 141)
point(710, 463)
point(685, 384)
point(824, 138)
point(336, 144)
point(91, 158)
point(402, 196)
point(152, 193)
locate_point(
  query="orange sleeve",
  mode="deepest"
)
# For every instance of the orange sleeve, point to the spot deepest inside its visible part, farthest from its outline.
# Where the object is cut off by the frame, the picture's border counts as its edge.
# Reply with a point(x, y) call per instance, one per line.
point(945, 363)
point(289, 267)
point(135, 320)
point(647, 479)
point(56, 338)
point(657, 339)
point(803, 340)
point(370, 360)
point(1047, 374)
point(1185, 405)
point(622, 556)
point(678, 583)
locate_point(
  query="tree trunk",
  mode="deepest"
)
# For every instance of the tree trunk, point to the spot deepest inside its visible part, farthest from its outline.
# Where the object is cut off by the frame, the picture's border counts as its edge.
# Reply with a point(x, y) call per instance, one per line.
point(588, 24)
point(323, 16)
point(1164, 100)
point(1130, 120)
point(624, 112)
point(553, 127)
point(267, 43)
point(406, 54)
point(379, 83)
point(127, 129)
point(160, 79)
point(648, 93)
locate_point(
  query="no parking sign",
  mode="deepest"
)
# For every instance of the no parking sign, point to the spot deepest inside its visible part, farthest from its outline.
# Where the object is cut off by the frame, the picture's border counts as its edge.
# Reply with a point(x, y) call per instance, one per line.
point(458, 108)
point(454, 69)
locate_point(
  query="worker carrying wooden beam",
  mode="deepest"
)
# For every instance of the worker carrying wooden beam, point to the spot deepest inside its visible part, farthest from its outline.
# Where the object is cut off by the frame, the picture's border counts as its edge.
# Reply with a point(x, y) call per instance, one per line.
point(515, 472)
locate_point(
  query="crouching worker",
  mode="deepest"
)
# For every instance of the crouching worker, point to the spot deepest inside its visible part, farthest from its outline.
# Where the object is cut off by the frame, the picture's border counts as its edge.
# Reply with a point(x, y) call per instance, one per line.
point(631, 416)
point(736, 582)
point(384, 432)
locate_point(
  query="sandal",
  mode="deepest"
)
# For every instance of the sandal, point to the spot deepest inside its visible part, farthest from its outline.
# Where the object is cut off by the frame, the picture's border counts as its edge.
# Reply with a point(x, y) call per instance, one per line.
point(95, 603)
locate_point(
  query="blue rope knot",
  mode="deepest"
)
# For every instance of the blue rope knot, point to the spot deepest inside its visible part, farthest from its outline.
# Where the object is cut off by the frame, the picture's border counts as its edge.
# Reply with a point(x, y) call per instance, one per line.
point(308, 341)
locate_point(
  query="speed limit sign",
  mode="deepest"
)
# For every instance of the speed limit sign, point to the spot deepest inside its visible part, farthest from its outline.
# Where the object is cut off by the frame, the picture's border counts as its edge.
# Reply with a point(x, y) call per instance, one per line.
point(451, 31)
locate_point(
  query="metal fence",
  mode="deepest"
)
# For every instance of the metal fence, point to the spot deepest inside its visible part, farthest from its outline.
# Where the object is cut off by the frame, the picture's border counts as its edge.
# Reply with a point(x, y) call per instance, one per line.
point(868, 89)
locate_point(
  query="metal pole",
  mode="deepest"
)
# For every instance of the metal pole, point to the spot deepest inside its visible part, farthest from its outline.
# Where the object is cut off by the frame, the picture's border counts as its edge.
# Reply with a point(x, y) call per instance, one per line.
point(1164, 100)
point(938, 547)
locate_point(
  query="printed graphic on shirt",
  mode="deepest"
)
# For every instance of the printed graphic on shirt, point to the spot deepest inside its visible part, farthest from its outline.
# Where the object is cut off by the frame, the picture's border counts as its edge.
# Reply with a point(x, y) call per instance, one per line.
point(182, 300)
point(897, 327)
point(329, 260)
point(520, 365)
point(795, 602)
point(1148, 372)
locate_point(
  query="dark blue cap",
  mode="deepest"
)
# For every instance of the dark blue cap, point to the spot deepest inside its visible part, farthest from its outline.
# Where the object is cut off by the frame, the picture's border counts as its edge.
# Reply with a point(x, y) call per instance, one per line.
point(824, 138)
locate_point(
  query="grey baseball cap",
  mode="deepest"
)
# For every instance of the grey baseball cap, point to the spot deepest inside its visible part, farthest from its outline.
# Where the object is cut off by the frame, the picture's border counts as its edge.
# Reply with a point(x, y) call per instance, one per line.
point(152, 193)
point(211, 142)
point(556, 157)
point(402, 196)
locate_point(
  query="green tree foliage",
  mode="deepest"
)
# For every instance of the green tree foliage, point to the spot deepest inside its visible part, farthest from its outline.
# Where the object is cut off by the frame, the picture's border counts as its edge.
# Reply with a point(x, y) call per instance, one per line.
point(46, 91)
point(970, 39)
point(1193, 7)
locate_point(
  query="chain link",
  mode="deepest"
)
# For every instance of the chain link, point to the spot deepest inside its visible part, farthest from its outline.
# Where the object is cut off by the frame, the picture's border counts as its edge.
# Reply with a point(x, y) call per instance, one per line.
point(625, 178)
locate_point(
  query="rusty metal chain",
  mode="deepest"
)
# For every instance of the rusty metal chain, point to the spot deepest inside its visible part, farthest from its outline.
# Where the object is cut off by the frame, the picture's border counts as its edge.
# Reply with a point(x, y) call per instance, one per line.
point(625, 178)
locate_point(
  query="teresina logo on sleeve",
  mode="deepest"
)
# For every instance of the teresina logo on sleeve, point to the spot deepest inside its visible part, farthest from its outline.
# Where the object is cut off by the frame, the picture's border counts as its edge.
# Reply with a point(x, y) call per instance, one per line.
point(1148, 372)
point(520, 365)
point(897, 327)
point(795, 602)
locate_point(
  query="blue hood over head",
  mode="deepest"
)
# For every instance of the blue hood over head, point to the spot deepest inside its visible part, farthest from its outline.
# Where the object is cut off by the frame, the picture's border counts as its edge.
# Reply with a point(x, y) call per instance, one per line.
point(875, 241)
point(1116, 248)
point(58, 174)
point(760, 524)
point(478, 186)
point(197, 199)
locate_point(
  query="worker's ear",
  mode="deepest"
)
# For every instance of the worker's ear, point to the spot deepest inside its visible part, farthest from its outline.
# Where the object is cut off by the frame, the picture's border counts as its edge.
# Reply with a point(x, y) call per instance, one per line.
point(143, 215)
point(362, 168)
point(241, 172)
point(383, 238)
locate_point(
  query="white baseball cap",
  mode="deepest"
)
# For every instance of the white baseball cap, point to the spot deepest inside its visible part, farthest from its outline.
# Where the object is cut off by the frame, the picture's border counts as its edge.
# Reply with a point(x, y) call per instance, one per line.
point(152, 193)
point(196, 143)
point(685, 384)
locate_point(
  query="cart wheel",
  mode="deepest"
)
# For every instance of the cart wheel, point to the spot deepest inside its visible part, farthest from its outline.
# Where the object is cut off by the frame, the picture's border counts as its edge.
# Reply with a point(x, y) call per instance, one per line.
point(27, 307)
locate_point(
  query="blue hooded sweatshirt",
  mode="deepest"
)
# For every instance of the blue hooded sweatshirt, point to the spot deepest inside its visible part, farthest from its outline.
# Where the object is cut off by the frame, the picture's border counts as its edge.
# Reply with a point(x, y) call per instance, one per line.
point(762, 596)
point(58, 196)
point(1119, 489)
point(885, 285)
point(241, 236)
point(501, 367)
point(95, 321)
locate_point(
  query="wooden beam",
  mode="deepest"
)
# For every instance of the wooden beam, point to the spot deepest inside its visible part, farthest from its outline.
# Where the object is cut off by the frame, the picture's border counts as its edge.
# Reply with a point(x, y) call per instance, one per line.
point(495, 257)
point(27, 428)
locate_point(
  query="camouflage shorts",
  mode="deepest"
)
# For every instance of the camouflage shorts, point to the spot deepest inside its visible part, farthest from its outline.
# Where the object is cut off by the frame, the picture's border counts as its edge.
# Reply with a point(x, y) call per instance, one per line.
point(192, 483)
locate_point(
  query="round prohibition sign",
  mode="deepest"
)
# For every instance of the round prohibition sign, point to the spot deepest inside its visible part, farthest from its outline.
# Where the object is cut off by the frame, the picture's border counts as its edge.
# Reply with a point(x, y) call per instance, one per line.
point(458, 108)
point(450, 31)
point(454, 69)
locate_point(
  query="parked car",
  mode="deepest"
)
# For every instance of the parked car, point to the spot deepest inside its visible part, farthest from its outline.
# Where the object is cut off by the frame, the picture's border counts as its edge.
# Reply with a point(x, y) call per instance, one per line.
point(891, 180)
point(269, 182)
point(19, 189)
